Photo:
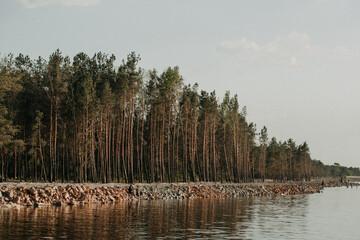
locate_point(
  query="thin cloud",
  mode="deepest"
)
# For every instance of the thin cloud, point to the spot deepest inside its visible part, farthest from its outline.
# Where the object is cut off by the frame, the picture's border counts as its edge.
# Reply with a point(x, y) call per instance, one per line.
point(62, 3)
point(293, 61)
point(292, 50)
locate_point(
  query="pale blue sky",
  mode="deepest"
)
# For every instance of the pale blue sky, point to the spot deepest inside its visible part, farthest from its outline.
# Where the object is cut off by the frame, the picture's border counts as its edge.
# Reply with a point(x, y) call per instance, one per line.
point(295, 64)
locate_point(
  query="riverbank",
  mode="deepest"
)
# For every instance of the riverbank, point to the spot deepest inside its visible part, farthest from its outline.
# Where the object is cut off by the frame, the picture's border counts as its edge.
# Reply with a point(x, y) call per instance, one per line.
point(37, 194)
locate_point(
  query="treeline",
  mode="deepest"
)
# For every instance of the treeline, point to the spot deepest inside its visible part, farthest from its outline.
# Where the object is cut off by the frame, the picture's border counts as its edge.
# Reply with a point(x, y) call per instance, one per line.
point(334, 171)
point(87, 120)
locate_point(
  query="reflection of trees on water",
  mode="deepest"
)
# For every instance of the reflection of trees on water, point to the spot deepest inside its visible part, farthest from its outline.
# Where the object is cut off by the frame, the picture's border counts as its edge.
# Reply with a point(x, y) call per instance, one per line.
point(210, 218)
point(200, 217)
point(285, 214)
point(145, 219)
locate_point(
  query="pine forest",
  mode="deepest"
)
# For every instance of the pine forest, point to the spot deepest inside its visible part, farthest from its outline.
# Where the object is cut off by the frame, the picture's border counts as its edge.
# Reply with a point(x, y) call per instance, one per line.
point(87, 120)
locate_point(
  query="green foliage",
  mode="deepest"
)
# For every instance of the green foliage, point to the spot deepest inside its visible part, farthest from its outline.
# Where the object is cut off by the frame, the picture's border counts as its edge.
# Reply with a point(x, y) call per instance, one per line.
point(9, 88)
point(86, 119)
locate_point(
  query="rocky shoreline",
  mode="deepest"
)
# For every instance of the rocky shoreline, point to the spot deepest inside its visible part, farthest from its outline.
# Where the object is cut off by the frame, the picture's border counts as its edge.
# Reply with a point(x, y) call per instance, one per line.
point(37, 194)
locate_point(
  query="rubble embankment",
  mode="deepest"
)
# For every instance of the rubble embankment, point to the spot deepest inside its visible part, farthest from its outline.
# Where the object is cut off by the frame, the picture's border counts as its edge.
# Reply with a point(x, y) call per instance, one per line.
point(37, 194)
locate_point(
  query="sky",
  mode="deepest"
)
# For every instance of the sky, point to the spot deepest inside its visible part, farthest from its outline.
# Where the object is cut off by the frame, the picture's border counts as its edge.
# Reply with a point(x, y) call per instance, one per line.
point(295, 64)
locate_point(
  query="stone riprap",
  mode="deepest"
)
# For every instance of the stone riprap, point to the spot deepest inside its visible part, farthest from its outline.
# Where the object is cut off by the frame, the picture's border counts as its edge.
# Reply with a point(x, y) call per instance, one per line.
point(37, 194)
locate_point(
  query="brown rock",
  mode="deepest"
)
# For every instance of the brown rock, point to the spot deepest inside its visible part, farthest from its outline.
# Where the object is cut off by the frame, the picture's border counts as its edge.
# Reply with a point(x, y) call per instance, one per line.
point(28, 202)
point(61, 189)
point(57, 203)
point(48, 191)
point(32, 191)
point(16, 200)
point(72, 203)
point(9, 194)
point(66, 195)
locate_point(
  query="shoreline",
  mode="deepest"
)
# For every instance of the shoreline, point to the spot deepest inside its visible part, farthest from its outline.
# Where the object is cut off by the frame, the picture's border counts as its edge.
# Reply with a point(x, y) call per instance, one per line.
point(39, 194)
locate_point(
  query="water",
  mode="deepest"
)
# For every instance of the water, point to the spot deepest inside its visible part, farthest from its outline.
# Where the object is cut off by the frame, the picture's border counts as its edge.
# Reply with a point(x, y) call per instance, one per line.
point(333, 214)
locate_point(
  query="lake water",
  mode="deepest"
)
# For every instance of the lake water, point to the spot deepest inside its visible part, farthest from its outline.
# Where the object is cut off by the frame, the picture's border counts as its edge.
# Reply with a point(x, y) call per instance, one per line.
point(333, 214)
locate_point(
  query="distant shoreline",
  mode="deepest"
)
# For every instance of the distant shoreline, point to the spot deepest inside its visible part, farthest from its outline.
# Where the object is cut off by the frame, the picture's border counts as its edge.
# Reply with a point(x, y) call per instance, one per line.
point(38, 194)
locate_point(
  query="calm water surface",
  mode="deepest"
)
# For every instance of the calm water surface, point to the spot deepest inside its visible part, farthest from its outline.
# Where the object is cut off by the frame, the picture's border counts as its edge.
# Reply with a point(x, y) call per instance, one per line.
point(333, 214)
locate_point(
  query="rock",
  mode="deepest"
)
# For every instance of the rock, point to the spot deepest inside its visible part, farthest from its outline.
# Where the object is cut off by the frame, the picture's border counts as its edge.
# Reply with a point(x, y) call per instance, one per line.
point(9, 194)
point(16, 200)
point(57, 203)
point(61, 189)
point(66, 195)
point(48, 191)
point(31, 191)
point(72, 203)
point(28, 202)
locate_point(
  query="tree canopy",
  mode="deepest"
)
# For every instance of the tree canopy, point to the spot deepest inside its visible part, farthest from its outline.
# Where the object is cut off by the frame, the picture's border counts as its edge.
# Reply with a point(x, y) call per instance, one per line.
point(86, 119)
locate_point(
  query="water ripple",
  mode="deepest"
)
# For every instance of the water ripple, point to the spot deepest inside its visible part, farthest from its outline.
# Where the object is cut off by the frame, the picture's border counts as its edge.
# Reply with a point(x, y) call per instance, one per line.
point(329, 215)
